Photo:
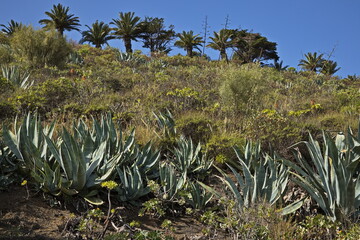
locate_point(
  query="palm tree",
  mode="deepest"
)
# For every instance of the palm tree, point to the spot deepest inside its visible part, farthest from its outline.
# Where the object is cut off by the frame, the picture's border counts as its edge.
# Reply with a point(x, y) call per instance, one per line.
point(279, 65)
point(11, 27)
point(128, 28)
point(221, 42)
point(98, 34)
point(60, 19)
point(329, 67)
point(312, 62)
point(189, 41)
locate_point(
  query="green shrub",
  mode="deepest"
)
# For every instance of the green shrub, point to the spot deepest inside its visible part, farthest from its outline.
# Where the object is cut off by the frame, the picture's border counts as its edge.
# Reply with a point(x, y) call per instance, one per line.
point(271, 127)
point(47, 96)
point(221, 146)
point(5, 86)
point(7, 109)
point(196, 126)
point(5, 53)
point(318, 227)
point(39, 48)
point(244, 89)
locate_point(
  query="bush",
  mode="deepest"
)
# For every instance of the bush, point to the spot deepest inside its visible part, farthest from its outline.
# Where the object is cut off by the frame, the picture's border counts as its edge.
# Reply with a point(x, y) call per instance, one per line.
point(195, 126)
point(5, 54)
point(38, 48)
point(243, 90)
point(47, 96)
point(220, 146)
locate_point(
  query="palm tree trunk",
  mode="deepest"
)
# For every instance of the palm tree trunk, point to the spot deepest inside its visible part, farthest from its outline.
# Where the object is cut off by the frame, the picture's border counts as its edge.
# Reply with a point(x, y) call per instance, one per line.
point(223, 54)
point(189, 52)
point(127, 42)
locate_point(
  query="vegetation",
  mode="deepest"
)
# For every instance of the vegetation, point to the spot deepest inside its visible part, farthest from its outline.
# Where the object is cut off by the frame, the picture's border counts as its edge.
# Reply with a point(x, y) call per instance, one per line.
point(236, 145)
point(11, 27)
point(98, 34)
point(189, 41)
point(60, 19)
point(127, 27)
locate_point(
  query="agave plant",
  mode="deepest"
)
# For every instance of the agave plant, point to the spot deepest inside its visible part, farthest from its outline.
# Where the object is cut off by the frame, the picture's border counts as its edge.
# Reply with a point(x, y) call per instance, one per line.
point(147, 161)
point(30, 135)
point(75, 58)
point(199, 196)
point(166, 124)
point(171, 182)
point(71, 164)
point(331, 179)
point(132, 185)
point(262, 178)
point(16, 77)
point(129, 57)
point(7, 167)
point(190, 159)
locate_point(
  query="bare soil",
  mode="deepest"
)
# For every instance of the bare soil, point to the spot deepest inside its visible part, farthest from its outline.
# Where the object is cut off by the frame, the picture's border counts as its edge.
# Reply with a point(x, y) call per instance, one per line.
point(34, 218)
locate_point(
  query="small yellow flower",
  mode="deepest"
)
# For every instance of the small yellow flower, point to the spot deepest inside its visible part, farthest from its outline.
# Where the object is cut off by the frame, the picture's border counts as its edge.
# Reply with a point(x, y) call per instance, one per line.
point(109, 185)
point(24, 183)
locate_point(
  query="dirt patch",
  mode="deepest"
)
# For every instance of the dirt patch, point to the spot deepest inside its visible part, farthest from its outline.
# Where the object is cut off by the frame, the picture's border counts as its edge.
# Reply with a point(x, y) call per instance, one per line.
point(34, 218)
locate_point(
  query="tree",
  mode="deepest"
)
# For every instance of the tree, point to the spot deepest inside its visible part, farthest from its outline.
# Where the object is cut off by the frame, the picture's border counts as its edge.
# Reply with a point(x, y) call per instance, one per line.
point(127, 28)
point(221, 41)
point(250, 47)
point(60, 19)
point(39, 48)
point(189, 41)
point(155, 36)
point(329, 67)
point(98, 34)
point(11, 27)
point(279, 65)
point(312, 62)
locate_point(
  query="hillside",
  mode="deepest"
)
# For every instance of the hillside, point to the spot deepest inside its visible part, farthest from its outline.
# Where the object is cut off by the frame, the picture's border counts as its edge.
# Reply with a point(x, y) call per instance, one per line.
point(159, 128)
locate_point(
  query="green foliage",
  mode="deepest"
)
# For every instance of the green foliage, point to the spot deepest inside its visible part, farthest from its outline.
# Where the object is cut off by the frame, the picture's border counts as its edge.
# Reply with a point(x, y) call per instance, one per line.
point(199, 196)
point(152, 207)
point(252, 47)
point(190, 159)
point(185, 98)
point(12, 27)
point(37, 48)
point(5, 53)
point(90, 223)
point(155, 36)
point(259, 222)
point(188, 41)
point(195, 126)
point(132, 186)
point(47, 95)
point(331, 178)
point(264, 178)
point(318, 227)
point(74, 164)
point(243, 89)
point(98, 34)
point(312, 61)
point(8, 167)
point(271, 127)
point(221, 41)
point(221, 146)
point(127, 27)
point(60, 19)
point(16, 77)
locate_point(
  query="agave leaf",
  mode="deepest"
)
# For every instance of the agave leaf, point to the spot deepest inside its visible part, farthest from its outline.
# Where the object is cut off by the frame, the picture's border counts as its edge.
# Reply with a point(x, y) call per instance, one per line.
point(11, 141)
point(291, 208)
point(94, 200)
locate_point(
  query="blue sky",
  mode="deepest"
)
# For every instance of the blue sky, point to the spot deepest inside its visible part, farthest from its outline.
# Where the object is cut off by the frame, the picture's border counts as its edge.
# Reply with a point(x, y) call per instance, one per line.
point(331, 27)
